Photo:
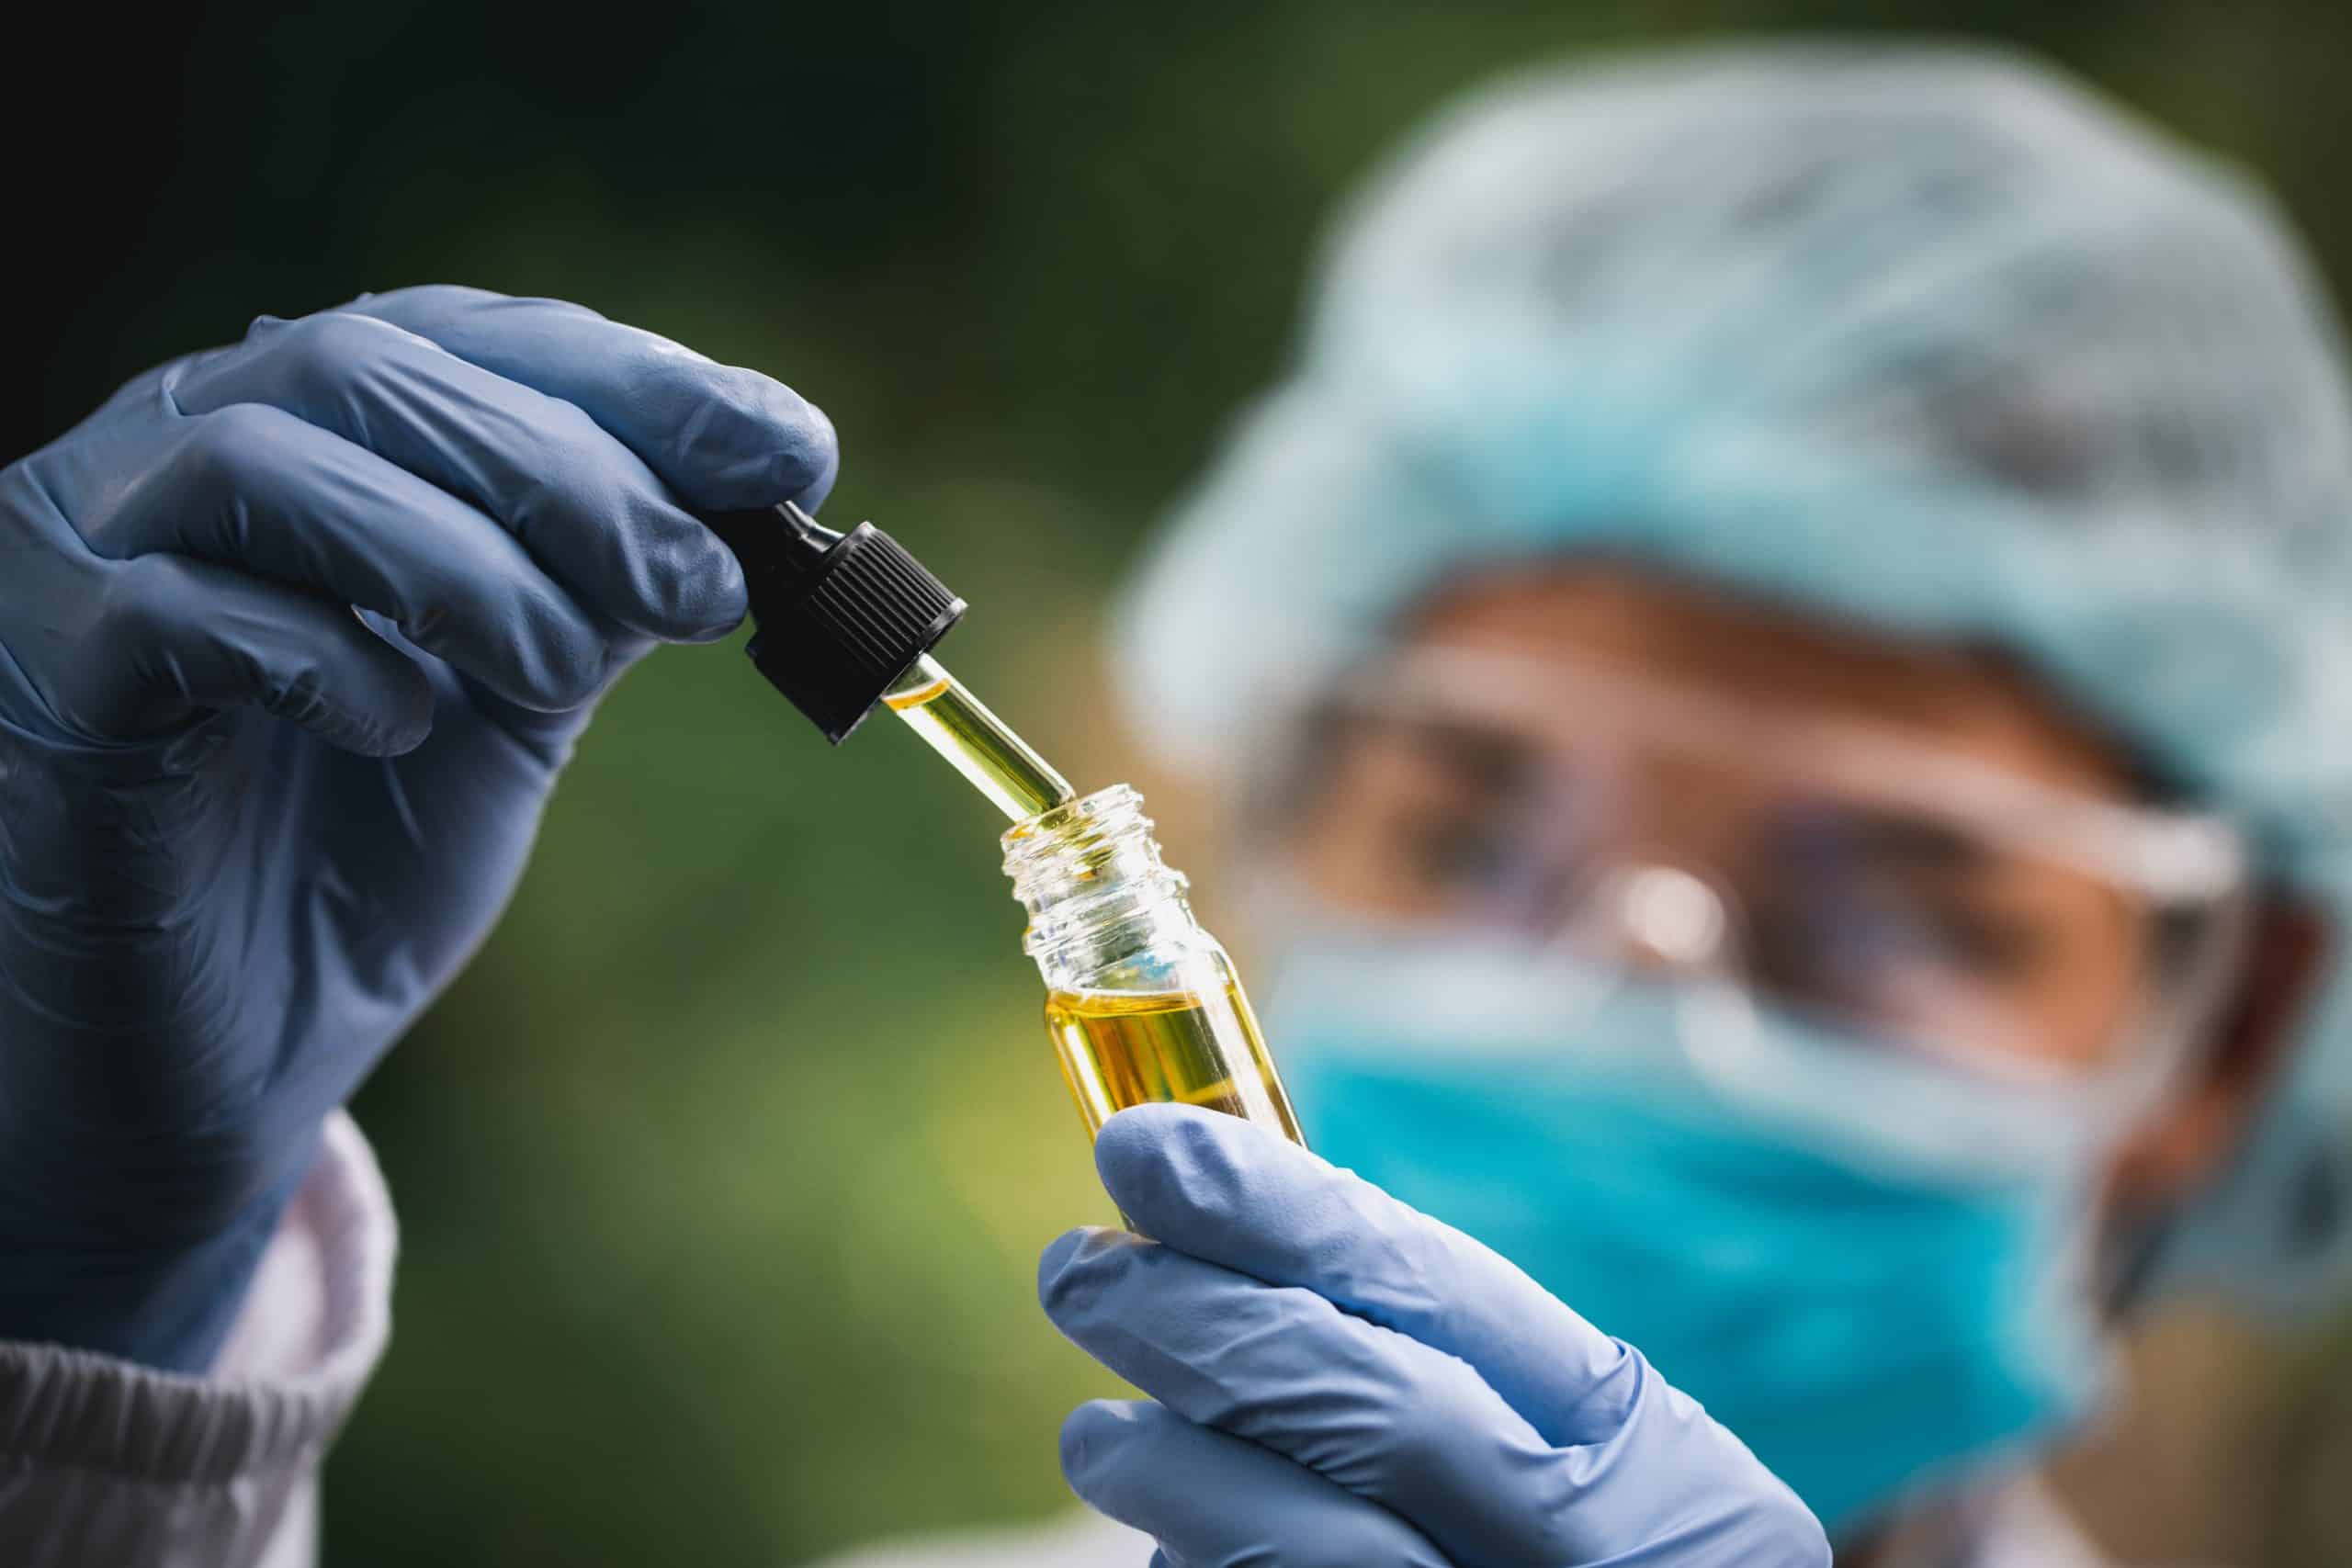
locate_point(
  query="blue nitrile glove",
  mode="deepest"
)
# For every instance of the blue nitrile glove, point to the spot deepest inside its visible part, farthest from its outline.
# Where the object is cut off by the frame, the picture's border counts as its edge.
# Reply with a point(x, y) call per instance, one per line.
point(1342, 1381)
point(245, 837)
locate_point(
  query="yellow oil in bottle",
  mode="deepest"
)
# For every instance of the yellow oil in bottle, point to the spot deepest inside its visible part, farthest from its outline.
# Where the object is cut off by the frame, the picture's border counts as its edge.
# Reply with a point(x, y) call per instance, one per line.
point(1119, 1049)
point(960, 727)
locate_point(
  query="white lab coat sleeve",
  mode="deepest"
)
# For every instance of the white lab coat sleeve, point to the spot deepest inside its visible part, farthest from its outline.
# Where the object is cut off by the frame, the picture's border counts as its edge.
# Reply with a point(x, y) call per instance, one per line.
point(104, 1462)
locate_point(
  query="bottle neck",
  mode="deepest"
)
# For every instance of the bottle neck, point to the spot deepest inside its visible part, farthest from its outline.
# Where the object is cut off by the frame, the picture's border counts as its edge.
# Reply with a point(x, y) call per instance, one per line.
point(1089, 872)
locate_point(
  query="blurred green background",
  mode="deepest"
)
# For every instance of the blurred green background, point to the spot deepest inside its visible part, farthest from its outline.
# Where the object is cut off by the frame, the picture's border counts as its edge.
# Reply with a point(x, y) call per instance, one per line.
point(724, 1167)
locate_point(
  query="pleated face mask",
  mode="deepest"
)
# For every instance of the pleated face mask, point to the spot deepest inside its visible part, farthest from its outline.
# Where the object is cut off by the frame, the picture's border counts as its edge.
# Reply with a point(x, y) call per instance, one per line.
point(1868, 1304)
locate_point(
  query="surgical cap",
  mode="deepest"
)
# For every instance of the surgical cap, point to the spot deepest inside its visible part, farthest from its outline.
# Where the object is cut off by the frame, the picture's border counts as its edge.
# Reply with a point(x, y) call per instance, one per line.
point(1924, 338)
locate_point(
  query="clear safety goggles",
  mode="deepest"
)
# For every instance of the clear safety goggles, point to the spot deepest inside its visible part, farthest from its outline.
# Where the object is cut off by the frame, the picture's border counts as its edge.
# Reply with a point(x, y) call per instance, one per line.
point(1904, 895)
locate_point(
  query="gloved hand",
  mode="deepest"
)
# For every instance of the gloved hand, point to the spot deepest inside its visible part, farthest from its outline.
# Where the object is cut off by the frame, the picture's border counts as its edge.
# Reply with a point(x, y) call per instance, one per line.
point(245, 837)
point(1344, 1382)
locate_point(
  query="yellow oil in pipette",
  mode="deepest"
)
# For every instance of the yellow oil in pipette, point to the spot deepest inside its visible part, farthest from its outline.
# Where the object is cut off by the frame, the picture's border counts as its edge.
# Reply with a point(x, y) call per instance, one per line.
point(977, 743)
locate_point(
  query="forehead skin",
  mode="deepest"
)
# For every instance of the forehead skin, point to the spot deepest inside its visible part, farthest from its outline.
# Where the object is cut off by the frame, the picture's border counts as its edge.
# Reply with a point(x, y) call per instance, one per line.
point(1962, 699)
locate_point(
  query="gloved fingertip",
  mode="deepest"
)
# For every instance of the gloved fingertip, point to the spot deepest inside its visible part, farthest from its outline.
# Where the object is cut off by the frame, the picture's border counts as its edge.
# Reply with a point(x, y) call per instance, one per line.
point(387, 750)
point(805, 471)
point(1091, 1436)
point(729, 596)
point(714, 631)
point(396, 732)
point(710, 599)
point(391, 720)
point(812, 497)
point(1141, 1131)
point(364, 739)
point(1051, 1261)
point(1151, 1156)
point(735, 439)
point(1076, 1263)
point(1061, 1268)
point(401, 739)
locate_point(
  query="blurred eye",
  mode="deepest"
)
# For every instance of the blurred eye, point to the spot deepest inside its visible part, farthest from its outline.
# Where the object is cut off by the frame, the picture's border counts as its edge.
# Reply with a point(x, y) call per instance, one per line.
point(1411, 815)
point(1898, 965)
point(1983, 946)
point(1990, 944)
point(1862, 901)
point(1449, 851)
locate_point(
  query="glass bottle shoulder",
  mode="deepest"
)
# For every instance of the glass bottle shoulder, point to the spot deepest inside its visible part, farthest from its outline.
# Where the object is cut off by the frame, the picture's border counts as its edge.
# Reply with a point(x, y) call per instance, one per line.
point(1174, 957)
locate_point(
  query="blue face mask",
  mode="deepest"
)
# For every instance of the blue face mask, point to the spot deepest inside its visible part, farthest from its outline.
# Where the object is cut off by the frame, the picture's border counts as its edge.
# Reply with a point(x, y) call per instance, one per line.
point(1863, 1320)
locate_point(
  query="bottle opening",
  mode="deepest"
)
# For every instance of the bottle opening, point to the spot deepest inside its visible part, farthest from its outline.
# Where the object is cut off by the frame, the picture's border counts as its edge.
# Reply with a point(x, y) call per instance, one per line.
point(1085, 865)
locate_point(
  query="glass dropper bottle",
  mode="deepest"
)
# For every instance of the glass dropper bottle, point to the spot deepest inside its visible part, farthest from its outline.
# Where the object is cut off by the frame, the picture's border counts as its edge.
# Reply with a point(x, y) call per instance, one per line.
point(1142, 1003)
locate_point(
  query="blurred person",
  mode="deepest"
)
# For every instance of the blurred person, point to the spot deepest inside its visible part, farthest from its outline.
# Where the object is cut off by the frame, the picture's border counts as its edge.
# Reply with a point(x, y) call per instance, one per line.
point(1779, 663)
point(1777, 645)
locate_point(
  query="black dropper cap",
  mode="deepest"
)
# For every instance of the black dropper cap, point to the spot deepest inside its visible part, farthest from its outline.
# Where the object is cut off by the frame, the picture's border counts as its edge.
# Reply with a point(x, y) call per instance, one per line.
point(840, 615)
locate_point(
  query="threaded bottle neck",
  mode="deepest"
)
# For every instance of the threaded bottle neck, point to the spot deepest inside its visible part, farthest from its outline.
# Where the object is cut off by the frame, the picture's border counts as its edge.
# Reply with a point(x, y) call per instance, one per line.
point(1089, 872)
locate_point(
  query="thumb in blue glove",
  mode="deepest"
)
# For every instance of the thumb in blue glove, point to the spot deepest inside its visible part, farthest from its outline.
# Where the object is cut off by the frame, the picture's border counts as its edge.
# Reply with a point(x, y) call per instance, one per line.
point(1337, 1379)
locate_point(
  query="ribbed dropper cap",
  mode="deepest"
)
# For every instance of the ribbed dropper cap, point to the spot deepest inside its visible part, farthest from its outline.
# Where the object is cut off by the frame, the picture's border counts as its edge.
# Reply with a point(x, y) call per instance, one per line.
point(840, 615)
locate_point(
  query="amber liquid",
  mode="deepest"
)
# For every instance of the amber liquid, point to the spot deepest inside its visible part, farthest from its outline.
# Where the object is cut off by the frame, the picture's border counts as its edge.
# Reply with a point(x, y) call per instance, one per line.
point(1194, 1047)
point(980, 746)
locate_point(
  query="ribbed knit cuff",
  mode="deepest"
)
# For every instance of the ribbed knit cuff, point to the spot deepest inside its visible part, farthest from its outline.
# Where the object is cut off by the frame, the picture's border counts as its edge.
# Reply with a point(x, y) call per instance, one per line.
point(102, 1459)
